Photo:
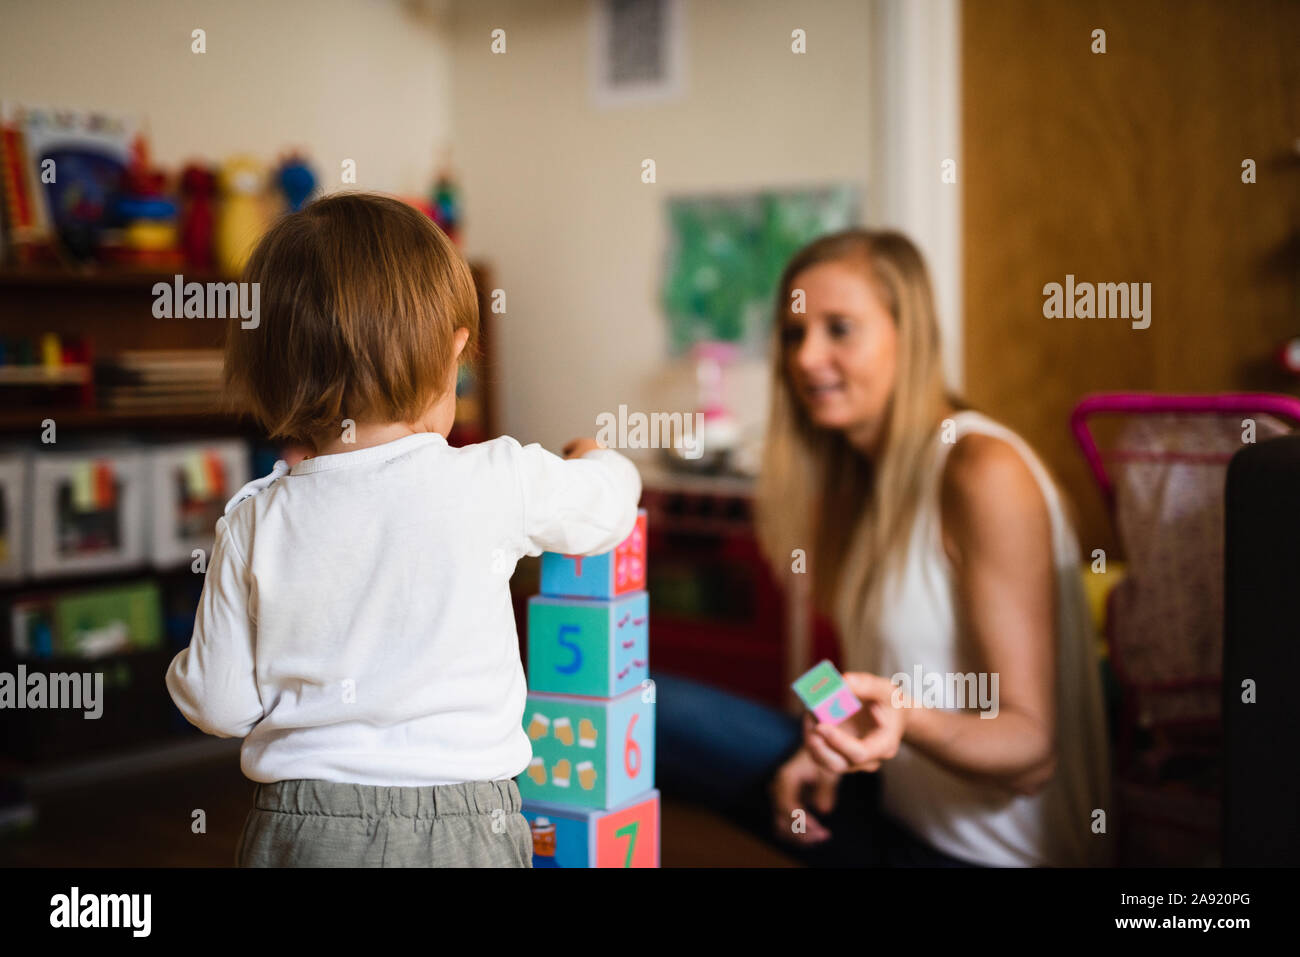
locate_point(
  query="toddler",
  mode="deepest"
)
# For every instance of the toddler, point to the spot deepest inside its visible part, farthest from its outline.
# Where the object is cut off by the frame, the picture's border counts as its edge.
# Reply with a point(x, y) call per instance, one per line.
point(355, 626)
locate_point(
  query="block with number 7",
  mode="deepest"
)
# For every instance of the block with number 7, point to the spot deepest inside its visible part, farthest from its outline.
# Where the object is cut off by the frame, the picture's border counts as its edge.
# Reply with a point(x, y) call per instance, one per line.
point(590, 752)
point(824, 693)
point(627, 836)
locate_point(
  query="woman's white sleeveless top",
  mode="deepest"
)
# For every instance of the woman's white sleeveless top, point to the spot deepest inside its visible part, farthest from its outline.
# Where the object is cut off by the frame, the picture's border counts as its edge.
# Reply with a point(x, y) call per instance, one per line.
point(972, 820)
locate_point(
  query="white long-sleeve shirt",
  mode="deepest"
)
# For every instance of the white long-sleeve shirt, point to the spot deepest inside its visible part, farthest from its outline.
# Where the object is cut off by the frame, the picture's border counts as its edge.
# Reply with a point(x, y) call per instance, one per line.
point(356, 624)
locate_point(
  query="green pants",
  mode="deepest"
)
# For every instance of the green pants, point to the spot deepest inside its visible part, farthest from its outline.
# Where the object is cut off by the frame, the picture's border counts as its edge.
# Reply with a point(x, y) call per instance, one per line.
point(322, 824)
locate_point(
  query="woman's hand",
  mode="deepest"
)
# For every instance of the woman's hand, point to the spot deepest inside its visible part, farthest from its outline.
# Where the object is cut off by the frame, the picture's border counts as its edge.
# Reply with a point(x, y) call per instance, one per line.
point(865, 740)
point(798, 783)
point(576, 448)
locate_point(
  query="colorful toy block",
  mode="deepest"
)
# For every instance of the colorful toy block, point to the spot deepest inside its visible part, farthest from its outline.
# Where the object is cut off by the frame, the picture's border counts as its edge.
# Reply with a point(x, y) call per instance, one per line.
point(824, 693)
point(627, 836)
point(606, 575)
point(590, 752)
point(599, 649)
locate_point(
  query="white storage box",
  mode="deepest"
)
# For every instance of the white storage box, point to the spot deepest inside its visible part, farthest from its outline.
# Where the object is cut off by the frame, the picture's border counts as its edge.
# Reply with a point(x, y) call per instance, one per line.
point(13, 515)
point(189, 484)
point(87, 511)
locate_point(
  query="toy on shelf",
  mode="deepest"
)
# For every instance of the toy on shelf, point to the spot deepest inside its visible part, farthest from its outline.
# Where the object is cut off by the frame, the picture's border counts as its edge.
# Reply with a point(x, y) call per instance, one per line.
point(27, 226)
point(589, 788)
point(77, 165)
point(824, 692)
point(91, 623)
point(142, 180)
point(198, 186)
point(445, 203)
point(54, 372)
point(295, 180)
point(149, 234)
point(242, 215)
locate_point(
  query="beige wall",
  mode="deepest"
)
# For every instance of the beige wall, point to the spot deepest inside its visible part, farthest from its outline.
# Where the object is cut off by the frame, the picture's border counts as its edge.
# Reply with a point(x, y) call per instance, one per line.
point(554, 197)
point(344, 79)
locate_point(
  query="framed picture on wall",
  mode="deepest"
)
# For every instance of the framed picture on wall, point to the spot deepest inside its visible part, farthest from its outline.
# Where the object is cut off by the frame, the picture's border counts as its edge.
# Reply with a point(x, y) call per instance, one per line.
point(638, 51)
point(726, 253)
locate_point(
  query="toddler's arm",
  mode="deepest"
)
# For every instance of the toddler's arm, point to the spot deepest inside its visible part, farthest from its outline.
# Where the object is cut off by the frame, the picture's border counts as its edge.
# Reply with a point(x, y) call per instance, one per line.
point(578, 506)
point(213, 681)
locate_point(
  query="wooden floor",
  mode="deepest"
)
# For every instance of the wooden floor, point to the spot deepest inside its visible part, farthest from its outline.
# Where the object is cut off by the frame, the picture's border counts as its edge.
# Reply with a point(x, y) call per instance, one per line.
point(144, 820)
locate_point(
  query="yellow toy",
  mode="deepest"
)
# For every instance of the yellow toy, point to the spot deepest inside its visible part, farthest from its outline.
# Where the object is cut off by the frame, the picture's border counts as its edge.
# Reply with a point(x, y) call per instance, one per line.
point(243, 213)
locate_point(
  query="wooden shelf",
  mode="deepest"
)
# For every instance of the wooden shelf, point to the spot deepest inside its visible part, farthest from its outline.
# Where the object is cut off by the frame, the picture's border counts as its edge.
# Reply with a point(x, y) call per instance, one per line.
point(21, 419)
point(128, 418)
point(71, 374)
point(99, 277)
point(110, 308)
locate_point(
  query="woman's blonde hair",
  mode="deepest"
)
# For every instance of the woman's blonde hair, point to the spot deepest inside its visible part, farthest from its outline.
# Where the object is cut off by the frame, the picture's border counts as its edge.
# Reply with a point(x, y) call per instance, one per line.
point(852, 516)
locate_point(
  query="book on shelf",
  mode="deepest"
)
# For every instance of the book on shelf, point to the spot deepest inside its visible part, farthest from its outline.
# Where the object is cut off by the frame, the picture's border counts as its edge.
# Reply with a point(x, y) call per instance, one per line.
point(155, 379)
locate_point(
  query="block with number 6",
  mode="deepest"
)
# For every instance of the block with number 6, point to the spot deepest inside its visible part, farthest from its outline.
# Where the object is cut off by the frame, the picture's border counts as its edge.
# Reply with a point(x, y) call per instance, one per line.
point(590, 752)
point(627, 836)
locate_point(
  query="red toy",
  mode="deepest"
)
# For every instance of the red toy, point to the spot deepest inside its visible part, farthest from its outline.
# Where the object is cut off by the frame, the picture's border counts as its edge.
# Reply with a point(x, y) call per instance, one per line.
point(198, 184)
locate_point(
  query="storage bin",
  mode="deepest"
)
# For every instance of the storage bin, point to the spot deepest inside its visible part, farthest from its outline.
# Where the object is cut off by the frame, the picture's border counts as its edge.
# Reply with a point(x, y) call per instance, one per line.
point(189, 485)
point(87, 510)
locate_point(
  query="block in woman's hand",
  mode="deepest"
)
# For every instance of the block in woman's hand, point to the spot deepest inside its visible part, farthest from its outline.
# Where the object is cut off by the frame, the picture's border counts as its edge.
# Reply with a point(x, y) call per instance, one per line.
point(823, 691)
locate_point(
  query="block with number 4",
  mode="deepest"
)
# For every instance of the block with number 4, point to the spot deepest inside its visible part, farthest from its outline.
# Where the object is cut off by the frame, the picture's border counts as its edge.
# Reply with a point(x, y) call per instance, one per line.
point(606, 575)
point(595, 648)
point(590, 752)
point(824, 693)
point(627, 836)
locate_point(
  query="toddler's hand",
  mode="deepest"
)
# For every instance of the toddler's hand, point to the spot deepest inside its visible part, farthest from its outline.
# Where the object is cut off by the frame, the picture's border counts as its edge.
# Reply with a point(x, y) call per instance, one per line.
point(578, 447)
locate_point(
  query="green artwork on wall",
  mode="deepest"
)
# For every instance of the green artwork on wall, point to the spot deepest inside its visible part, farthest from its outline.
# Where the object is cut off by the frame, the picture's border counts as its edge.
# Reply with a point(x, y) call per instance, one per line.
point(726, 254)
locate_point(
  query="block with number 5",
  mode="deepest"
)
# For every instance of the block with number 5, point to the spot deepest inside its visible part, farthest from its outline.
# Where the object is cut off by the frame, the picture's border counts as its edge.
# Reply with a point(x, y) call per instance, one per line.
point(595, 648)
point(590, 752)
point(627, 836)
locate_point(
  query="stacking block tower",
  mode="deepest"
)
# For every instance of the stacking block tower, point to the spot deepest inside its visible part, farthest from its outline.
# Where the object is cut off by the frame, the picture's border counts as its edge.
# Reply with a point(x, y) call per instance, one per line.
point(589, 792)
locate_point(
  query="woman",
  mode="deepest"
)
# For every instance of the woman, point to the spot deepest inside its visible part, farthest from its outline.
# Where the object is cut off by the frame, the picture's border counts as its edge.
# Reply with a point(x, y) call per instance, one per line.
point(933, 538)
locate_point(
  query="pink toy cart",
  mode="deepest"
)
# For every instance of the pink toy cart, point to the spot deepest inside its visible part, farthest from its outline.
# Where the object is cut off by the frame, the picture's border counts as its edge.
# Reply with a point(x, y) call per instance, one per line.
point(1162, 463)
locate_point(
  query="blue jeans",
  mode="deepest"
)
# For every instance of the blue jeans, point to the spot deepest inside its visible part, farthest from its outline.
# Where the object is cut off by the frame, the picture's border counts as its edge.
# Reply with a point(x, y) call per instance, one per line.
point(720, 751)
